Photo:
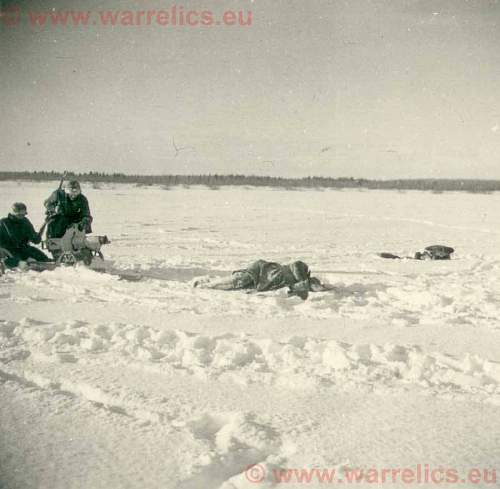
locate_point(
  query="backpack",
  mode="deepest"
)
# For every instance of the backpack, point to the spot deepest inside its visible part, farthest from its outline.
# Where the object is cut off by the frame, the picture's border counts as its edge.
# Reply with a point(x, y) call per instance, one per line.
point(435, 252)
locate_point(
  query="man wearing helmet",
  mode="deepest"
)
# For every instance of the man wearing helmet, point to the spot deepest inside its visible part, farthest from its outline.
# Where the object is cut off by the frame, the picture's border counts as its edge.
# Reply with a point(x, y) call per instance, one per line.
point(65, 208)
point(16, 232)
point(262, 276)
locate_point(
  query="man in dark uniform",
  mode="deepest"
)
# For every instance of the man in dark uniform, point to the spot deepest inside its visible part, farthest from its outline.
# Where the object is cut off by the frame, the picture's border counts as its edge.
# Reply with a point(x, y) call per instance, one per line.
point(16, 231)
point(263, 275)
point(65, 208)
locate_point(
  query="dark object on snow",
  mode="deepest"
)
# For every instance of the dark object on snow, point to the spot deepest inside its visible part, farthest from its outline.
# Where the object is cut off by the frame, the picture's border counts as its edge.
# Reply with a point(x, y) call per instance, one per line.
point(434, 252)
point(263, 275)
point(389, 256)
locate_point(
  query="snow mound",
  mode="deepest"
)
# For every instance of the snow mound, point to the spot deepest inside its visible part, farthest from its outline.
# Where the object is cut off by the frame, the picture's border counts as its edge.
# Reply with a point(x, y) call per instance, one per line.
point(299, 362)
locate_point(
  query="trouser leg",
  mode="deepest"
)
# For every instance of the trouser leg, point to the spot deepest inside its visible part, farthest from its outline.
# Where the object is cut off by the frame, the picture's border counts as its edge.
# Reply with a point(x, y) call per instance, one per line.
point(35, 253)
point(13, 261)
point(236, 281)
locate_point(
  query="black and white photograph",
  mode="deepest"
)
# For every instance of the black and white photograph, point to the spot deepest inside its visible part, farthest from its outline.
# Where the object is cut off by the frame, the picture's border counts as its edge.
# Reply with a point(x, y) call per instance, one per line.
point(249, 244)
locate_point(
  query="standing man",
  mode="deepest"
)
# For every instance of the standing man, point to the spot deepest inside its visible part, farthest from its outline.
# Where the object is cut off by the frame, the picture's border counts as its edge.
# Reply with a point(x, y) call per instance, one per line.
point(16, 232)
point(65, 208)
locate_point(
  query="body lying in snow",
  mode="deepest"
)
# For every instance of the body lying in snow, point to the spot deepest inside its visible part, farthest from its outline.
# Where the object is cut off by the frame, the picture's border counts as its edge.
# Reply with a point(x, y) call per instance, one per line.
point(263, 275)
point(434, 252)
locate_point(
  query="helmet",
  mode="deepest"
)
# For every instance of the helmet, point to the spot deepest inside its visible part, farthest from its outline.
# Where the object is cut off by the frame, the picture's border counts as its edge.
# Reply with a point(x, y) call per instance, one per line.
point(73, 184)
point(300, 270)
point(19, 207)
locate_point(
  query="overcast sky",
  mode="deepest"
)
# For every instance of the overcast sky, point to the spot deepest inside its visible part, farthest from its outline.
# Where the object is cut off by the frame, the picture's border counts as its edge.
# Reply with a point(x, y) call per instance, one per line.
point(375, 89)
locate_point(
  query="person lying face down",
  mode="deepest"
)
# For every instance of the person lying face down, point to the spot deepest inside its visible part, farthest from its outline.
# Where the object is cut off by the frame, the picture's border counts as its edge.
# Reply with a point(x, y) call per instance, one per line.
point(263, 275)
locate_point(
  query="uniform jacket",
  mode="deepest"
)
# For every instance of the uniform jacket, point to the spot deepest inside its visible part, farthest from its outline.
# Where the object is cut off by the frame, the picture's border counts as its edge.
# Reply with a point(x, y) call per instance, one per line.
point(73, 210)
point(15, 234)
point(267, 275)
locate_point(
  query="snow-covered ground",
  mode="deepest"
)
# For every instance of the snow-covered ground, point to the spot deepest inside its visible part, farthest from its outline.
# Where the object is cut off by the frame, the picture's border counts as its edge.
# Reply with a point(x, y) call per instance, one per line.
point(147, 382)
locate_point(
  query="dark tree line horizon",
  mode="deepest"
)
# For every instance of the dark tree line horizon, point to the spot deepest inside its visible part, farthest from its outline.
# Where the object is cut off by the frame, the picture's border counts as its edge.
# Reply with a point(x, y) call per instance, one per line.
point(217, 180)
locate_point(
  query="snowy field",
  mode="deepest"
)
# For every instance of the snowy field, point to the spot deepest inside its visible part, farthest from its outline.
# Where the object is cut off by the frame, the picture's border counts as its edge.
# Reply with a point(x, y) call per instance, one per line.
point(149, 383)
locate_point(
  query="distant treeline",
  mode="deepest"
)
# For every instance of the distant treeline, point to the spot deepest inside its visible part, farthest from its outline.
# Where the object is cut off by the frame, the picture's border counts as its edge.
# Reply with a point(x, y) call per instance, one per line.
point(214, 181)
